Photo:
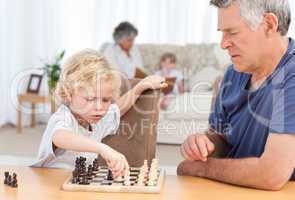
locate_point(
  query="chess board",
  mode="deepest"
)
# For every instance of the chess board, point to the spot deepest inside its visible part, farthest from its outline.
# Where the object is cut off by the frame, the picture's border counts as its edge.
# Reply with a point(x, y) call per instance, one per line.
point(99, 182)
point(147, 179)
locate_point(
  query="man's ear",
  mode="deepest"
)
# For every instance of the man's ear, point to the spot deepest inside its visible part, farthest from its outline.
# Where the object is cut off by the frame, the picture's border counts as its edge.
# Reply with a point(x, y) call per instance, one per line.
point(271, 24)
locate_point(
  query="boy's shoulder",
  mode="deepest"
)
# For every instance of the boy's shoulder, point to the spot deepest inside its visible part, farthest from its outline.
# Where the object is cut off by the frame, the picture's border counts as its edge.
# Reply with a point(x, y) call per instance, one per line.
point(63, 113)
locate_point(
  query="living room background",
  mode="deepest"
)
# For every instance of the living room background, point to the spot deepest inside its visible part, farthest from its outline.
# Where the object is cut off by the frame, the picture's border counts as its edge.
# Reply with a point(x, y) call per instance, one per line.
point(34, 31)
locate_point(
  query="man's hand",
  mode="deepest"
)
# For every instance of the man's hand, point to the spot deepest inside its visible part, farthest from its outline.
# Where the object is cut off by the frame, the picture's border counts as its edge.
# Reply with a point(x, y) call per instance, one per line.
point(197, 147)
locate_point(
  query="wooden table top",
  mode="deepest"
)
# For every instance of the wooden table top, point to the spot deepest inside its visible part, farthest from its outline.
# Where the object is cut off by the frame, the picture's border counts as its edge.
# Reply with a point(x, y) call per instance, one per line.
point(45, 184)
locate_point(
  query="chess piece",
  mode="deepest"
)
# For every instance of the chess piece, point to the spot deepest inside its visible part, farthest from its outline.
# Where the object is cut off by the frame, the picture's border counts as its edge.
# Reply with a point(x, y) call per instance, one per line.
point(95, 165)
point(6, 174)
point(14, 181)
point(75, 180)
point(127, 177)
point(127, 182)
point(110, 175)
point(9, 180)
point(150, 183)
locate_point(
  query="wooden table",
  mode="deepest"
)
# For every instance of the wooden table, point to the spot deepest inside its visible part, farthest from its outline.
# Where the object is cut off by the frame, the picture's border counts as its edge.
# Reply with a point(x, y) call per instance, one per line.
point(33, 99)
point(45, 184)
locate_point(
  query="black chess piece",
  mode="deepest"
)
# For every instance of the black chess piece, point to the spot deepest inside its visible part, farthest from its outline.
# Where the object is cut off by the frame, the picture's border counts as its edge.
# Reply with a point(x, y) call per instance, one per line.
point(6, 174)
point(75, 173)
point(9, 180)
point(74, 180)
point(14, 180)
point(110, 175)
point(95, 165)
point(84, 181)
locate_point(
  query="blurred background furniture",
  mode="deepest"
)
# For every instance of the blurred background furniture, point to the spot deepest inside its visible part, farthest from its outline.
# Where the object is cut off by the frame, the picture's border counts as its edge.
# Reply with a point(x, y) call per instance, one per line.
point(201, 65)
point(136, 137)
point(33, 99)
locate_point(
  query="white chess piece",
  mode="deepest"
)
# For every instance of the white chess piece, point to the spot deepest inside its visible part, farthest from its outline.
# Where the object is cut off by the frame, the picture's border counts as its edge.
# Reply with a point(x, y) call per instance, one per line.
point(150, 182)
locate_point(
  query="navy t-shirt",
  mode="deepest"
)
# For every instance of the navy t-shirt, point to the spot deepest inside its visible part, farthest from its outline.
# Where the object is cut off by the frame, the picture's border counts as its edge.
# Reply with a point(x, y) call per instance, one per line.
point(246, 118)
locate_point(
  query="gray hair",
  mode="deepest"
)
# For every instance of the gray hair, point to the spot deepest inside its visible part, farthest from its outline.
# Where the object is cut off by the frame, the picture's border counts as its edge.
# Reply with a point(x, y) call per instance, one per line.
point(124, 29)
point(253, 10)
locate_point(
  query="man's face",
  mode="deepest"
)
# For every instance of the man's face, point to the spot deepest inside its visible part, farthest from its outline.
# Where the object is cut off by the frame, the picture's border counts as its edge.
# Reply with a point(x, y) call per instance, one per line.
point(244, 45)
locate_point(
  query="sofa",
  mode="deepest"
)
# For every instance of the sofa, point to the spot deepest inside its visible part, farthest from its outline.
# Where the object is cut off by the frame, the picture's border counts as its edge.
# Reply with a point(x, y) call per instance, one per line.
point(202, 65)
point(137, 128)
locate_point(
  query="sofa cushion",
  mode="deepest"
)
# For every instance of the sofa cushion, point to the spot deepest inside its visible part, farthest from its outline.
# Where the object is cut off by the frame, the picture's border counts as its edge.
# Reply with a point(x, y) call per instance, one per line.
point(189, 106)
point(203, 80)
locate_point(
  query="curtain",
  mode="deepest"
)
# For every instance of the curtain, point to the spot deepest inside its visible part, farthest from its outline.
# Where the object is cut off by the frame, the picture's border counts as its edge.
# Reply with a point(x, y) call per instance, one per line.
point(34, 31)
point(29, 35)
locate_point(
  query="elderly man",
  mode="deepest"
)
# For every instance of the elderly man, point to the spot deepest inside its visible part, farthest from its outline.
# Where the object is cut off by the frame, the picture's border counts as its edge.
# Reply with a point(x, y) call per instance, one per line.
point(254, 112)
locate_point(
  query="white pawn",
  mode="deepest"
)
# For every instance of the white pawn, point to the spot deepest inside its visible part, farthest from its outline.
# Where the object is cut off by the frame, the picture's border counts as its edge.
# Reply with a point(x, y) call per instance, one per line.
point(150, 183)
point(127, 183)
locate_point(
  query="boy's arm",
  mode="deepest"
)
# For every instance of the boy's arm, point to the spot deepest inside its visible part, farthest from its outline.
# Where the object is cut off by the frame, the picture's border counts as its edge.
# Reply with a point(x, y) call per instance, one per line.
point(68, 140)
point(65, 139)
point(126, 101)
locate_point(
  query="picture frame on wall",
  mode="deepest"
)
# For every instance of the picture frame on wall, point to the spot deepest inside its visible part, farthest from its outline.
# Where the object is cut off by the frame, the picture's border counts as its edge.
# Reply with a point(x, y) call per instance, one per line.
point(34, 83)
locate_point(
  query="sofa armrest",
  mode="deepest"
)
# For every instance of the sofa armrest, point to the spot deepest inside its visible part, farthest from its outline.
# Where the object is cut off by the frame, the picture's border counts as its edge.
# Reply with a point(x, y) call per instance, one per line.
point(136, 136)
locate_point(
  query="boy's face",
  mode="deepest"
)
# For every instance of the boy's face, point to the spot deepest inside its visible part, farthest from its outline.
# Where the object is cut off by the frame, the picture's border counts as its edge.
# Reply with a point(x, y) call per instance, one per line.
point(92, 102)
point(168, 64)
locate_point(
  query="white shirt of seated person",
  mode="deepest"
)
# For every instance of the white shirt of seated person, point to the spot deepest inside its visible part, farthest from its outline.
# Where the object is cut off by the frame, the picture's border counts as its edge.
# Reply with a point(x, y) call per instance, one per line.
point(119, 60)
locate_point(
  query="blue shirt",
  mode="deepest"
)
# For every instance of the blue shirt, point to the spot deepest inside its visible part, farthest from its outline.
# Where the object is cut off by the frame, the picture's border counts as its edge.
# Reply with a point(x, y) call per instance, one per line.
point(246, 118)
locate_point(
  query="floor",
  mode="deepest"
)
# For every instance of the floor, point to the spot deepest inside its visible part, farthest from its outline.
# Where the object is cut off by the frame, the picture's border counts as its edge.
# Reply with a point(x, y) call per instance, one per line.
point(21, 149)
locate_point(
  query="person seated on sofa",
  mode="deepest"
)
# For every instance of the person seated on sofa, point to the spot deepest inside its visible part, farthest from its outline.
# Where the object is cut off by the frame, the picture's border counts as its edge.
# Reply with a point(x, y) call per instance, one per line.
point(168, 69)
point(123, 54)
point(254, 112)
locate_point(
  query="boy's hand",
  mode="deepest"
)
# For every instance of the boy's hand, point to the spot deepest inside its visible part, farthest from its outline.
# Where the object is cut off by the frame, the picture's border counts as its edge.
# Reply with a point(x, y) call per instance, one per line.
point(197, 147)
point(152, 82)
point(115, 160)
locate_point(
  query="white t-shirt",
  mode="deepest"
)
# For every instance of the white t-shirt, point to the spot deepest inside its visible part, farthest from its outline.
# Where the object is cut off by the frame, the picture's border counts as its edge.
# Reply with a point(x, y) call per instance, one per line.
point(119, 60)
point(63, 119)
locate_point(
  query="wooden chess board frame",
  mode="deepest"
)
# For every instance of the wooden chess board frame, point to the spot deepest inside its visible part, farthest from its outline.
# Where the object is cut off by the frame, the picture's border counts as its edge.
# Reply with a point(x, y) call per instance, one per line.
point(68, 186)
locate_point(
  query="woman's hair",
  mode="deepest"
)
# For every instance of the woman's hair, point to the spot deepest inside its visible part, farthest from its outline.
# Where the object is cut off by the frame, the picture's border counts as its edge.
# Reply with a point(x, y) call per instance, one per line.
point(83, 69)
point(124, 29)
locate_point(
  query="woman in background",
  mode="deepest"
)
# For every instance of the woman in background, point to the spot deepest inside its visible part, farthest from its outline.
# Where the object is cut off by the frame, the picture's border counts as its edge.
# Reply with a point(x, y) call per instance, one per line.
point(123, 55)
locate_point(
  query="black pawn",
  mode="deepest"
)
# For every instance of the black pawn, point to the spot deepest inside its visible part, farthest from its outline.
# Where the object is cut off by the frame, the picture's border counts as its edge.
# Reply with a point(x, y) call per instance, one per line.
point(74, 180)
point(14, 180)
point(9, 180)
point(110, 176)
point(6, 174)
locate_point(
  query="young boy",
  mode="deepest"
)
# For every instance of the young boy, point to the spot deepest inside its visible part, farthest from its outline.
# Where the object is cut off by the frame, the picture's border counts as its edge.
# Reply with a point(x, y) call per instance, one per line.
point(167, 70)
point(87, 89)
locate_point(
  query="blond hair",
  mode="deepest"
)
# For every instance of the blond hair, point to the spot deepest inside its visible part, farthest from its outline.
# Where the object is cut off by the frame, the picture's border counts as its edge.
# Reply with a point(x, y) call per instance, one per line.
point(85, 68)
